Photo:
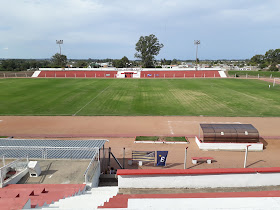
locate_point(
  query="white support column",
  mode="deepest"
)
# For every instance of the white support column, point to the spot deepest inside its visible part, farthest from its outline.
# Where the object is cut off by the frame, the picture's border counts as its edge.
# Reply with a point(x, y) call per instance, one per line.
point(185, 160)
point(246, 154)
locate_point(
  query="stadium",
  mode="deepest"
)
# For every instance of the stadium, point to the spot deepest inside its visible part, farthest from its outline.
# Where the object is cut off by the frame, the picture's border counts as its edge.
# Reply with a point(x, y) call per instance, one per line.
point(87, 139)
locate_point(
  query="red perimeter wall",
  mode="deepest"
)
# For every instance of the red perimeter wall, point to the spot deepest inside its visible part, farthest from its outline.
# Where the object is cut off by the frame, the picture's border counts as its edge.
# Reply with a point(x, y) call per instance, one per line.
point(144, 74)
point(80, 74)
point(180, 74)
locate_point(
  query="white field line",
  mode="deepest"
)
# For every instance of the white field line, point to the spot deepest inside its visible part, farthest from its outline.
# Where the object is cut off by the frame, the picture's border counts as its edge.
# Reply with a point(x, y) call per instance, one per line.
point(90, 101)
point(170, 127)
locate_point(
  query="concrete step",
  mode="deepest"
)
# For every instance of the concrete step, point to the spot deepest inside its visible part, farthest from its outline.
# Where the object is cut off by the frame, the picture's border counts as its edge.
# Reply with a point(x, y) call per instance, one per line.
point(91, 199)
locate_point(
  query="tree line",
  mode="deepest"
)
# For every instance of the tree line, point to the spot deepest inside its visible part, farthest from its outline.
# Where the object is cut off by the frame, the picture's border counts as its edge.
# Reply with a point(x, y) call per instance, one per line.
point(269, 60)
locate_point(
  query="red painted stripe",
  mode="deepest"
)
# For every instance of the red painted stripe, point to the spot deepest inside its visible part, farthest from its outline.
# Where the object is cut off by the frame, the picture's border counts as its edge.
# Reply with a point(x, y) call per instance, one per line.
point(123, 172)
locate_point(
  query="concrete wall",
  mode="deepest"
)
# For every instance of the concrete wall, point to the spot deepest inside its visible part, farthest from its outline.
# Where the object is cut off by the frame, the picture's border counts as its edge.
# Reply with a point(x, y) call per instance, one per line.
point(229, 146)
point(198, 178)
point(95, 178)
point(15, 179)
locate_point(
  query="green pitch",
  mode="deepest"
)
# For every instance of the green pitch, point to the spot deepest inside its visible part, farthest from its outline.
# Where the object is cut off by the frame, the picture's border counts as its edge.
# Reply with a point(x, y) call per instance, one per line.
point(139, 97)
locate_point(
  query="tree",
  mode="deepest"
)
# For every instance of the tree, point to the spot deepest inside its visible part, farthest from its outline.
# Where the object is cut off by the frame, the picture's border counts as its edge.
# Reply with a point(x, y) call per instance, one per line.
point(147, 48)
point(124, 62)
point(273, 67)
point(257, 59)
point(59, 60)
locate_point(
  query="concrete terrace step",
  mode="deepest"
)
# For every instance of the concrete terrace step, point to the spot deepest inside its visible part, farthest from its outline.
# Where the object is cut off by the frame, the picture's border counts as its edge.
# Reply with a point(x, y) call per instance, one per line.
point(91, 199)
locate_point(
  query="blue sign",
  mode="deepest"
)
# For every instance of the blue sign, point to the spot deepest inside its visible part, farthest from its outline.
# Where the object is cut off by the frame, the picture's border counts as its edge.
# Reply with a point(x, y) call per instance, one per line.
point(161, 157)
point(149, 75)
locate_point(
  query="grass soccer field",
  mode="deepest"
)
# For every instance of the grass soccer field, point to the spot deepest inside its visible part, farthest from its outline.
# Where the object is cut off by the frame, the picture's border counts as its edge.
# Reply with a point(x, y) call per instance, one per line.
point(139, 97)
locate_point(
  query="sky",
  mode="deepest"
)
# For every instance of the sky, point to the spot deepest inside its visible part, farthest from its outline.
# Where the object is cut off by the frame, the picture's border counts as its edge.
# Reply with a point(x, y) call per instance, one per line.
point(227, 29)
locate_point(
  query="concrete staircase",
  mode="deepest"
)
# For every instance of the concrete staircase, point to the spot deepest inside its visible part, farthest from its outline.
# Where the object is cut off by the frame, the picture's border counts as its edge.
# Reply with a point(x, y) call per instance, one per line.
point(91, 199)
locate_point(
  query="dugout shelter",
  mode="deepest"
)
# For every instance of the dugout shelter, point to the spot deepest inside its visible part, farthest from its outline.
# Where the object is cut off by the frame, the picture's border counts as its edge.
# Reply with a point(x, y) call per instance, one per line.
point(231, 133)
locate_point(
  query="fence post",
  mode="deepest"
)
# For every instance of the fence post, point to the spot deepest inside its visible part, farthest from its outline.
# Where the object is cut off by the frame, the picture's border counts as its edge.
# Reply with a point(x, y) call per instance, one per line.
point(4, 160)
point(246, 154)
point(124, 158)
point(258, 76)
point(185, 161)
point(109, 161)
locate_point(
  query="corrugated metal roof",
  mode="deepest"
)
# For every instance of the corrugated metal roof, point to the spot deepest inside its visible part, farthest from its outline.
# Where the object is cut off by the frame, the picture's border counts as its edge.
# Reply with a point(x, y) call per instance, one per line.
point(49, 149)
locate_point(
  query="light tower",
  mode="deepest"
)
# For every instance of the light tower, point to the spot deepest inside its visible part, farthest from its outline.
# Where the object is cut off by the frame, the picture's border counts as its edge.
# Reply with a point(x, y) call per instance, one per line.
point(196, 42)
point(59, 42)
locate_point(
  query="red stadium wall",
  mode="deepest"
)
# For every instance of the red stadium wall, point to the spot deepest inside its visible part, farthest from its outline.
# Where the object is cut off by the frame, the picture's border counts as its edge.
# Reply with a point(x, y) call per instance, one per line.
point(178, 74)
point(144, 74)
point(79, 74)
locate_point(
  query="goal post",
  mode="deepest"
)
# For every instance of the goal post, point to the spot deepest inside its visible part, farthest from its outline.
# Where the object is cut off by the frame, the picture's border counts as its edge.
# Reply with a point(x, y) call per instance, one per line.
point(276, 81)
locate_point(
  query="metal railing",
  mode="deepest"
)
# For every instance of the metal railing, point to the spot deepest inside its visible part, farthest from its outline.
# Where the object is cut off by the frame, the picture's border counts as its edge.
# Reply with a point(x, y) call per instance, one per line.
point(17, 165)
point(93, 167)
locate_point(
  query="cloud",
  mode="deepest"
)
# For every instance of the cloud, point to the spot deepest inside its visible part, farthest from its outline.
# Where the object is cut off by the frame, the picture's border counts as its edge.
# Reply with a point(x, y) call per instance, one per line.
point(5, 48)
point(96, 28)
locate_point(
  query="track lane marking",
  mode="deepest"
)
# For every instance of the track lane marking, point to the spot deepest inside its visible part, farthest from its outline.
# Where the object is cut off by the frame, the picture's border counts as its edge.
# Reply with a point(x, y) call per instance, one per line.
point(90, 101)
point(170, 127)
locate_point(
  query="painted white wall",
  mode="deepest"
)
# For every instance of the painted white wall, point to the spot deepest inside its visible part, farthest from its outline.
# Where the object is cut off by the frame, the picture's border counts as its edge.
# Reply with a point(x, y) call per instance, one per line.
point(95, 178)
point(199, 181)
point(229, 146)
point(205, 203)
point(132, 69)
point(78, 69)
point(137, 75)
point(183, 69)
point(120, 74)
point(36, 74)
point(222, 74)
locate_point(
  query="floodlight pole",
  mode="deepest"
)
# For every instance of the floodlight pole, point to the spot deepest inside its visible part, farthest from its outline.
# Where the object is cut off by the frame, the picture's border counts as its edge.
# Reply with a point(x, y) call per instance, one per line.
point(59, 42)
point(196, 42)
point(246, 154)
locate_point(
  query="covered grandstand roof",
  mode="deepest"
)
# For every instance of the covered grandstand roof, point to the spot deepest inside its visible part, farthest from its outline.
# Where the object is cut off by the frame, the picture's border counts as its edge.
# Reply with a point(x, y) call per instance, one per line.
point(229, 133)
point(51, 149)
